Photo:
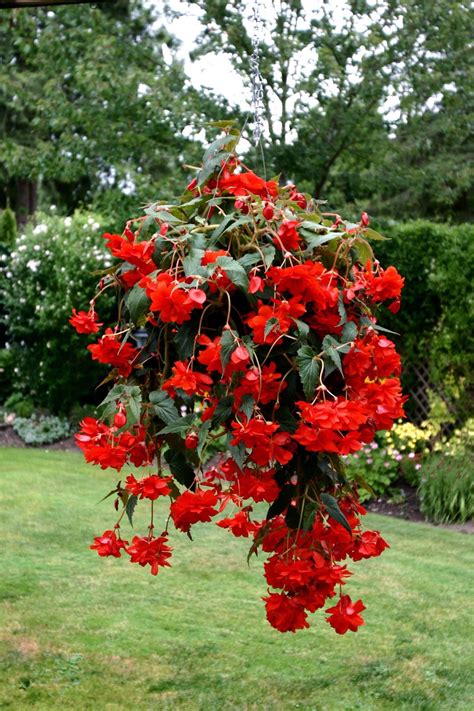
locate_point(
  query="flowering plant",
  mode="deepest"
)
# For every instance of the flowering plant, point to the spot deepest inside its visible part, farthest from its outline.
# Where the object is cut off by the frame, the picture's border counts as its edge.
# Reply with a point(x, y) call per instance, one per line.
point(247, 317)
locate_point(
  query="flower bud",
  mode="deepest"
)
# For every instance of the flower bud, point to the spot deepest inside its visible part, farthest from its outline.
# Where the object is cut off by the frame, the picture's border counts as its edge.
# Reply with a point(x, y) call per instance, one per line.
point(242, 206)
point(268, 212)
point(120, 418)
point(191, 440)
point(364, 219)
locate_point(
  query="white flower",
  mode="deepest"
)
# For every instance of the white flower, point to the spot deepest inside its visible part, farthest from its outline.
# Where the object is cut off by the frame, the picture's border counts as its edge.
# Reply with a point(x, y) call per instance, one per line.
point(40, 229)
point(67, 221)
point(33, 264)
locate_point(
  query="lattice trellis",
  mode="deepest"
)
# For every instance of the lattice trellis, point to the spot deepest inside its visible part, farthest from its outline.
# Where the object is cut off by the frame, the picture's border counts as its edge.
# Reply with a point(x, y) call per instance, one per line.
point(422, 384)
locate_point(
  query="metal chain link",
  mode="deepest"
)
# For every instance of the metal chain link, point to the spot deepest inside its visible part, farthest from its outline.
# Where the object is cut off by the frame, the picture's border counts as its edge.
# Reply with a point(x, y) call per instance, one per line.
point(256, 77)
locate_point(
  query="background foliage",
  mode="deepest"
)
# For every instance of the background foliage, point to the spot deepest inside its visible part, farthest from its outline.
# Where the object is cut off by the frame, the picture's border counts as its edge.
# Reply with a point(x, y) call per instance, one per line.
point(49, 271)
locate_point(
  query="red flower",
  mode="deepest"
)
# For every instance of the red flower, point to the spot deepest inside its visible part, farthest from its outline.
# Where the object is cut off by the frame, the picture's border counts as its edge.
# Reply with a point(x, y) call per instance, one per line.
point(247, 183)
point(99, 445)
point(368, 545)
point(150, 551)
point(218, 279)
point(284, 613)
point(259, 488)
point(151, 487)
point(113, 352)
point(345, 615)
point(85, 321)
point(387, 285)
point(192, 507)
point(108, 544)
point(270, 322)
point(188, 380)
point(239, 525)
point(210, 355)
point(288, 236)
point(171, 300)
point(263, 389)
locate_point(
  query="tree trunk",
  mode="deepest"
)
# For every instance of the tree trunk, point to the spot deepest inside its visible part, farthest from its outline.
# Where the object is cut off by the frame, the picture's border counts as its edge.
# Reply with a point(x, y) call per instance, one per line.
point(26, 199)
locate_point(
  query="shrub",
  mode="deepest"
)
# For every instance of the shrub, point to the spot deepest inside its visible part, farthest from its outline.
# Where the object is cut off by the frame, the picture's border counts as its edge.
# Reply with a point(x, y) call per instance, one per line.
point(374, 468)
point(49, 270)
point(41, 429)
point(6, 373)
point(7, 227)
point(19, 405)
point(447, 488)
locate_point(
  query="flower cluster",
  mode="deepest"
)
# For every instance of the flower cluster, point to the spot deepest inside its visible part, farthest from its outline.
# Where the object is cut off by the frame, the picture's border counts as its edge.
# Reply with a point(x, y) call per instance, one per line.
point(247, 318)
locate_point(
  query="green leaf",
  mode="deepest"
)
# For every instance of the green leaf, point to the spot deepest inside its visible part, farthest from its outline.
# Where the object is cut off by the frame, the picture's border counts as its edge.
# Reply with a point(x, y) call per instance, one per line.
point(332, 507)
point(115, 394)
point(178, 426)
point(130, 508)
point(269, 326)
point(303, 329)
point(349, 332)
point(364, 250)
point(309, 369)
point(237, 453)
point(211, 166)
point(248, 260)
point(313, 241)
point(228, 142)
point(268, 252)
point(341, 309)
point(203, 432)
point(229, 223)
point(179, 468)
point(309, 514)
point(163, 215)
point(281, 503)
point(184, 338)
point(192, 262)
point(235, 271)
point(133, 405)
point(164, 406)
point(329, 345)
point(372, 234)
point(223, 410)
point(228, 346)
point(138, 303)
point(247, 406)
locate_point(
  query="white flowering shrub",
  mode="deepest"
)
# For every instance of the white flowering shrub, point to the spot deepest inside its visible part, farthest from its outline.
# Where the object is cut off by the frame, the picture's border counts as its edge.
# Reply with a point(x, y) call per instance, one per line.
point(50, 270)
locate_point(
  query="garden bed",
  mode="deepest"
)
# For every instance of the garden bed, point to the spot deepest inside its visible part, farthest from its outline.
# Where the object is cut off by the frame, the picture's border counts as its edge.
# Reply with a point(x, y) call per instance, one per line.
point(409, 508)
point(9, 438)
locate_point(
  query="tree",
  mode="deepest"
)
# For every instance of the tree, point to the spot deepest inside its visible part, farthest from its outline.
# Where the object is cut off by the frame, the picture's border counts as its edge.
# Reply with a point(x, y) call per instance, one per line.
point(428, 166)
point(373, 96)
point(89, 110)
point(322, 85)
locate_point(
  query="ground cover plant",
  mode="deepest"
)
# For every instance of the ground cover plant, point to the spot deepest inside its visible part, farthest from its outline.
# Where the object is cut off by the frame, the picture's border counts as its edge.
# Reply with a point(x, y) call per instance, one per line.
point(249, 316)
point(76, 633)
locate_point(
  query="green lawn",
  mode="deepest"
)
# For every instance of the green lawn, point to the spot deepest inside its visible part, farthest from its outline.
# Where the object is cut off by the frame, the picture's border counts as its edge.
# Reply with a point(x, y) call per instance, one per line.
point(80, 632)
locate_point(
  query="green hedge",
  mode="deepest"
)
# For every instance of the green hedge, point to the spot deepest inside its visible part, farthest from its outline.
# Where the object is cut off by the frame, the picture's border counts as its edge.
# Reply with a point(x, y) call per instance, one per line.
point(435, 321)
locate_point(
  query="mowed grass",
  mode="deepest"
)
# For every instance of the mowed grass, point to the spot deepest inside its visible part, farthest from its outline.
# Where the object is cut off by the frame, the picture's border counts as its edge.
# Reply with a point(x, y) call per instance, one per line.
point(80, 632)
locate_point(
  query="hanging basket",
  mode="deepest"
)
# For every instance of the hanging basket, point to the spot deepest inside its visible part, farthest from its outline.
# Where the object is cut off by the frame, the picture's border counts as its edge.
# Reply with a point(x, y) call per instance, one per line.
point(246, 362)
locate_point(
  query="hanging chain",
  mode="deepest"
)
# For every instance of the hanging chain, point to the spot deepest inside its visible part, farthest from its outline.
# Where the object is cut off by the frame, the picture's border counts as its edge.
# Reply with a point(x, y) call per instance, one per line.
point(256, 77)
